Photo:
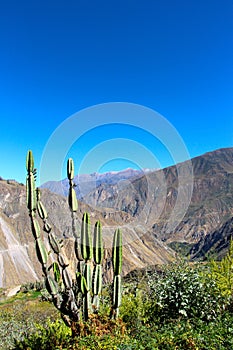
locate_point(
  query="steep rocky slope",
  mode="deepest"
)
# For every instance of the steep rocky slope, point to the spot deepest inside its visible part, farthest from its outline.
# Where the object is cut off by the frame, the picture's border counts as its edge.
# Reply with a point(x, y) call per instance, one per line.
point(211, 202)
point(215, 243)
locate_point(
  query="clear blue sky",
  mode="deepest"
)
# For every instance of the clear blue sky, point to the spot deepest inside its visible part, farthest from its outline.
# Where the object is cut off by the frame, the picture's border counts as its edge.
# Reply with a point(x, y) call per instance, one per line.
point(59, 57)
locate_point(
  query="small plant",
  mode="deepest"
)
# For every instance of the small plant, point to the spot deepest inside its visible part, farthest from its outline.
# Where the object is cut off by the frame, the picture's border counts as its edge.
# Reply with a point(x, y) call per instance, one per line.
point(78, 299)
point(32, 286)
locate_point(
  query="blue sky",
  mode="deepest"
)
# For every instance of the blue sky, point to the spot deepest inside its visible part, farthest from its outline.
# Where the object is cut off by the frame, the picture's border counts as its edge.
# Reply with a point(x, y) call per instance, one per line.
point(60, 57)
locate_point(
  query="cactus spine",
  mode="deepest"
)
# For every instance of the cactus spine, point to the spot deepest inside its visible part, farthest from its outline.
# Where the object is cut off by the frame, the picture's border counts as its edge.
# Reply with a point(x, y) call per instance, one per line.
point(74, 299)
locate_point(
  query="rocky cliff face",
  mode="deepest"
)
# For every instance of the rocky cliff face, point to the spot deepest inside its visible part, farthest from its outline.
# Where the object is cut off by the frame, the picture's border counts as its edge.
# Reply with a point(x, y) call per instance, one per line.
point(215, 243)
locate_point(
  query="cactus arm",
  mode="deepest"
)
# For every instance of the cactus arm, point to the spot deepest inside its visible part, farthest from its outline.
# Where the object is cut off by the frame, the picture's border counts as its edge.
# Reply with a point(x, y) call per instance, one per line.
point(117, 252)
point(98, 252)
point(29, 162)
point(98, 249)
point(116, 295)
point(70, 169)
point(86, 244)
point(117, 268)
point(72, 199)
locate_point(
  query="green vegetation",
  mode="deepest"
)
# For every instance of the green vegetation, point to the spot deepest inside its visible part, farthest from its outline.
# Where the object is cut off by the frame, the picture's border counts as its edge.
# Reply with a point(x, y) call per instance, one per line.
point(181, 307)
point(19, 315)
point(221, 272)
point(182, 248)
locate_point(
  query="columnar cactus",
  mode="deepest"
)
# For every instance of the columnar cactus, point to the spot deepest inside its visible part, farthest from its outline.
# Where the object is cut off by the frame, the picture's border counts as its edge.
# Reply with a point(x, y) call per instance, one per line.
point(74, 299)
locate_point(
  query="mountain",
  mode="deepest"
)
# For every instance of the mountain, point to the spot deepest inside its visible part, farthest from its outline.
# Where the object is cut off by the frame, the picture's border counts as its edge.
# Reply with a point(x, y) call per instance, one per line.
point(142, 206)
point(211, 202)
point(86, 183)
point(18, 261)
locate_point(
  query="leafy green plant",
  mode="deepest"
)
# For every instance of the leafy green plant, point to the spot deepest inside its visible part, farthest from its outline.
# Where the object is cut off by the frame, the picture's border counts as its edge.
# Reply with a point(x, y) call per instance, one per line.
point(183, 291)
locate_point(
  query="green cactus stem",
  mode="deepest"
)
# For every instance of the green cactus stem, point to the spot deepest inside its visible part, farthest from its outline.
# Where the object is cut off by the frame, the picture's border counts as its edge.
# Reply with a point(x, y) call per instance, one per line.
point(56, 272)
point(86, 242)
point(98, 248)
point(117, 252)
point(86, 251)
point(98, 252)
point(35, 228)
point(42, 211)
point(41, 252)
point(70, 169)
point(96, 286)
point(29, 162)
point(117, 268)
point(116, 295)
point(73, 203)
point(54, 243)
point(31, 193)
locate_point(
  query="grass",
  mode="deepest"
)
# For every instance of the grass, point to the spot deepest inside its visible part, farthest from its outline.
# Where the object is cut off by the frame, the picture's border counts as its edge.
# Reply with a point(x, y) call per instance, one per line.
point(32, 295)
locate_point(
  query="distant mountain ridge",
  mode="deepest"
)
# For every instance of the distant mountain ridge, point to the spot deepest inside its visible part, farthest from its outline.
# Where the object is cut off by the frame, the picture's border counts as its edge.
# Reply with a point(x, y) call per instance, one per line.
point(85, 183)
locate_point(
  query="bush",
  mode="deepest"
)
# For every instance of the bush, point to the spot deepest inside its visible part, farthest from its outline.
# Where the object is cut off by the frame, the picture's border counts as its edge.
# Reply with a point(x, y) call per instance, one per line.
point(135, 308)
point(187, 335)
point(183, 291)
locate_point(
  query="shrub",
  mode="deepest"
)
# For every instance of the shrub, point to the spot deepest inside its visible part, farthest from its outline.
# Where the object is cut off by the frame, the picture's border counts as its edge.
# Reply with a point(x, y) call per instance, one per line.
point(135, 309)
point(183, 291)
